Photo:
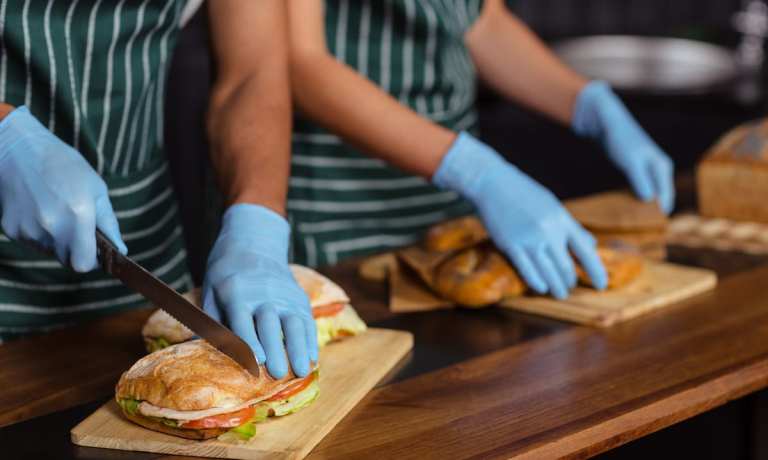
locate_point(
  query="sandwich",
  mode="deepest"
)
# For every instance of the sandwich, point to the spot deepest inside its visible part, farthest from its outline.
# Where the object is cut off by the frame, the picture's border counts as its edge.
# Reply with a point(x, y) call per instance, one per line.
point(194, 391)
point(336, 319)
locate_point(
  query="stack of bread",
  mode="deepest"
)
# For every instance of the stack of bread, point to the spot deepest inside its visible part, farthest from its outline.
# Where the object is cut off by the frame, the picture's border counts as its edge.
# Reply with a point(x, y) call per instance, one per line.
point(618, 219)
point(458, 262)
point(732, 179)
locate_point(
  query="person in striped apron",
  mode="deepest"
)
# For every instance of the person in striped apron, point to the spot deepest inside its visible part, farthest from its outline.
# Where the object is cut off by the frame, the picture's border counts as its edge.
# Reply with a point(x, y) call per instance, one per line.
point(81, 148)
point(384, 146)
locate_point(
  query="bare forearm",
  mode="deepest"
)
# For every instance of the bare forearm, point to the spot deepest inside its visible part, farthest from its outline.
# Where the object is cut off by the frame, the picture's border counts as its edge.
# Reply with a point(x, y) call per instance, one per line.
point(249, 129)
point(516, 63)
point(367, 117)
point(249, 117)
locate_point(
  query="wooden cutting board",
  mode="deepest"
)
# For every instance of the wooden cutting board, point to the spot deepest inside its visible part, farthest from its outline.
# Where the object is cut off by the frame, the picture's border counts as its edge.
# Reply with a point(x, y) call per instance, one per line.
point(348, 371)
point(660, 285)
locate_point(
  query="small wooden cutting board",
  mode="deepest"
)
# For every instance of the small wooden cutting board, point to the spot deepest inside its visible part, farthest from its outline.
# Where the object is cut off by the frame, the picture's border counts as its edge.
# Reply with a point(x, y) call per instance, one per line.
point(348, 371)
point(659, 285)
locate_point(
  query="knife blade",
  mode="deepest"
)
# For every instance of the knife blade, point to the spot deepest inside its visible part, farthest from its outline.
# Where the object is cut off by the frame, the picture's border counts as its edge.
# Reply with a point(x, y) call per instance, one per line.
point(156, 291)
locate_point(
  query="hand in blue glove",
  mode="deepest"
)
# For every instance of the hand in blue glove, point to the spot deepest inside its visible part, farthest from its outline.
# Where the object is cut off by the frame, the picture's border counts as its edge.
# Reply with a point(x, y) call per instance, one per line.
point(600, 115)
point(248, 279)
point(50, 195)
point(524, 219)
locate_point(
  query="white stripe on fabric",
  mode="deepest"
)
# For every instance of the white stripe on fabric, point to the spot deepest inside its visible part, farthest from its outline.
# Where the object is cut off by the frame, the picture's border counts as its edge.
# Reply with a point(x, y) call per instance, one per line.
point(466, 121)
point(431, 52)
point(386, 47)
point(145, 120)
point(163, 76)
point(387, 222)
point(52, 64)
point(341, 30)
point(364, 38)
point(369, 242)
point(372, 206)
point(50, 263)
point(128, 213)
point(148, 254)
point(122, 191)
point(106, 112)
point(356, 185)
point(38, 310)
point(132, 236)
point(317, 138)
point(333, 162)
point(88, 59)
point(3, 53)
point(127, 102)
point(27, 57)
point(71, 69)
point(147, 91)
point(407, 75)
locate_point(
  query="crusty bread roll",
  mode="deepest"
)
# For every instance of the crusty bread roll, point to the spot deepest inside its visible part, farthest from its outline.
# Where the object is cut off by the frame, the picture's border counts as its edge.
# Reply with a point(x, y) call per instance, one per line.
point(455, 234)
point(194, 376)
point(616, 212)
point(477, 277)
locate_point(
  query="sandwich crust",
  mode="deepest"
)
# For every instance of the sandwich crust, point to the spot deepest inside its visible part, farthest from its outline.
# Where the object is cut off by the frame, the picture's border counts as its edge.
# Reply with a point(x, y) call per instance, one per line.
point(194, 376)
point(319, 288)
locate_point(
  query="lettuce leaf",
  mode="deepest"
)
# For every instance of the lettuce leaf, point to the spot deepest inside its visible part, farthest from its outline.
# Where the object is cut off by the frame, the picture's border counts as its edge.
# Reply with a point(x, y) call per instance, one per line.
point(298, 401)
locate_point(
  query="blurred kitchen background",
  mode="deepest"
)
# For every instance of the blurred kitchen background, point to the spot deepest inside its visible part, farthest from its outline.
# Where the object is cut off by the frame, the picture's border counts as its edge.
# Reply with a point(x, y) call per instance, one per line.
point(685, 93)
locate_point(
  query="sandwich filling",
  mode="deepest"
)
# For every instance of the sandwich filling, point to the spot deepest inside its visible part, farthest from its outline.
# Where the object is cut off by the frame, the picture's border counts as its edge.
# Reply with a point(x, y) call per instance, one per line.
point(240, 421)
point(336, 321)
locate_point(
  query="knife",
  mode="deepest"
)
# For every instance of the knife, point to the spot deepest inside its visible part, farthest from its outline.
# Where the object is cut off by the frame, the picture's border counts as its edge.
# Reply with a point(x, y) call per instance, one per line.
point(145, 283)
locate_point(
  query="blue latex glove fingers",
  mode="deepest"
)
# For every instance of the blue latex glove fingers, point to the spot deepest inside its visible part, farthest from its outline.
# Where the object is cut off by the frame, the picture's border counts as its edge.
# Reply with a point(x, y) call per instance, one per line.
point(527, 269)
point(248, 269)
point(270, 335)
point(212, 309)
point(641, 179)
point(663, 174)
point(106, 221)
point(599, 114)
point(82, 239)
point(310, 328)
point(49, 193)
point(564, 264)
point(584, 247)
point(296, 344)
point(556, 284)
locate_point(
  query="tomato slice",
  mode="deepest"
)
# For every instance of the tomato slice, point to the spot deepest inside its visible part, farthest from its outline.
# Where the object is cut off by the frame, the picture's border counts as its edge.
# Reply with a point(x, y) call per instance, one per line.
point(293, 389)
point(228, 420)
point(328, 310)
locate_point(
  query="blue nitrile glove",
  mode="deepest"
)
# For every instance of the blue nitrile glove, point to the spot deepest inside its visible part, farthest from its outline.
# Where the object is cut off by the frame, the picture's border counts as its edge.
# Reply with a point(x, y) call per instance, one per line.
point(524, 219)
point(248, 279)
point(599, 114)
point(50, 195)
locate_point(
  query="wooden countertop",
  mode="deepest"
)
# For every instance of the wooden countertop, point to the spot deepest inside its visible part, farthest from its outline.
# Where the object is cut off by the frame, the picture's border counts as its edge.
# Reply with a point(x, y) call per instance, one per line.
point(484, 384)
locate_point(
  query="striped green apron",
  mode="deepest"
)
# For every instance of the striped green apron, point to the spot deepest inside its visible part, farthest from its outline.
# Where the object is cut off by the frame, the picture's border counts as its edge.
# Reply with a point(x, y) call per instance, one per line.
point(342, 203)
point(94, 72)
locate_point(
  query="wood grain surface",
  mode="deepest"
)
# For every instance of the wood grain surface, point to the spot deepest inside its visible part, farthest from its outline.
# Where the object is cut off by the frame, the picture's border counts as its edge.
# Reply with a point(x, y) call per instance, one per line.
point(658, 286)
point(347, 374)
point(481, 384)
point(575, 393)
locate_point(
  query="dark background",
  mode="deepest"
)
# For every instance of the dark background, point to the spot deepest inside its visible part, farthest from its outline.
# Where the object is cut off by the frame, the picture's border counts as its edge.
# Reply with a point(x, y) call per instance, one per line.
point(684, 126)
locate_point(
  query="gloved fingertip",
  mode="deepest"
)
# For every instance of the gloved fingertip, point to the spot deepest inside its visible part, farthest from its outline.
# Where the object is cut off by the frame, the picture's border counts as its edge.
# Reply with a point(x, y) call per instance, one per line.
point(277, 369)
point(300, 367)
